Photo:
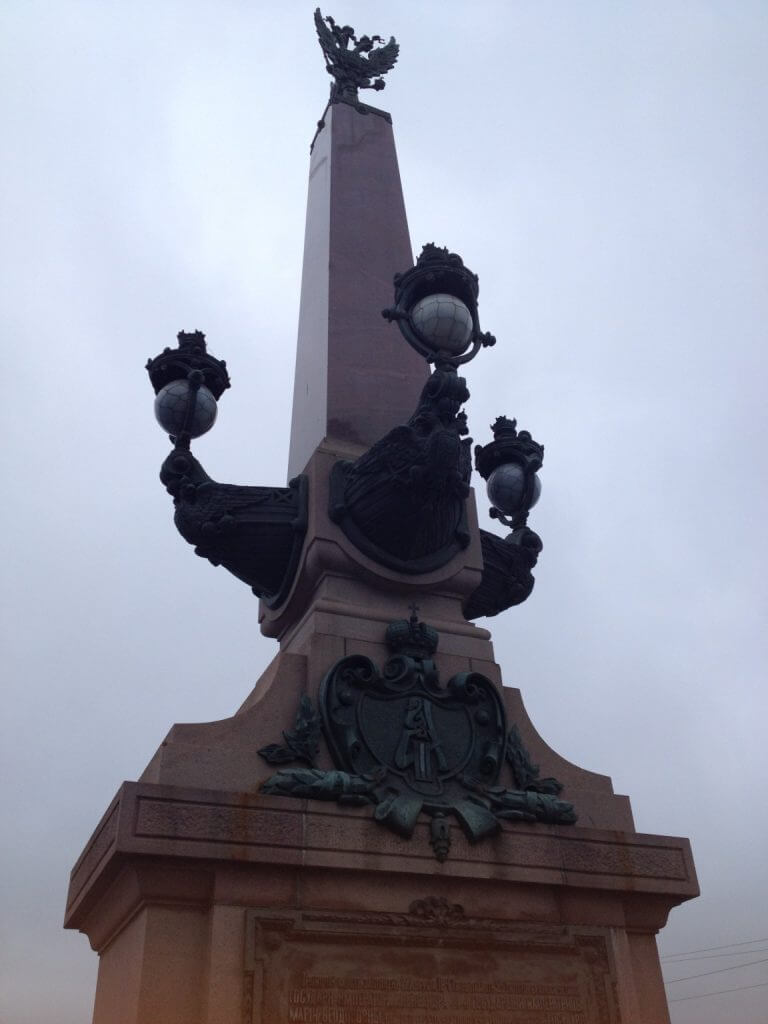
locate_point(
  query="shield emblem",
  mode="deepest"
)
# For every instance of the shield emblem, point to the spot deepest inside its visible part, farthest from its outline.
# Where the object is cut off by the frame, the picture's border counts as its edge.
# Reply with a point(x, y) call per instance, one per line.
point(404, 742)
point(432, 745)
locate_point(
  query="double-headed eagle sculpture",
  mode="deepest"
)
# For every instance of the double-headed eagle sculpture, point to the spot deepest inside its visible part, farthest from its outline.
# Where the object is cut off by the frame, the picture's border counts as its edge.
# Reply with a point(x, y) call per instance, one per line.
point(354, 63)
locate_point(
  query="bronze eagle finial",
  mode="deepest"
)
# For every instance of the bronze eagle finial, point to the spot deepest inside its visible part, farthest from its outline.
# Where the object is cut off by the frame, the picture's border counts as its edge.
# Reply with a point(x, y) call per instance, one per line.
point(354, 63)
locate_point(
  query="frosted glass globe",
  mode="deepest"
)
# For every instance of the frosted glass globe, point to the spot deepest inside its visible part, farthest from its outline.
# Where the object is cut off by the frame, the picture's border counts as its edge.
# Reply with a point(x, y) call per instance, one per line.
point(444, 322)
point(506, 488)
point(171, 406)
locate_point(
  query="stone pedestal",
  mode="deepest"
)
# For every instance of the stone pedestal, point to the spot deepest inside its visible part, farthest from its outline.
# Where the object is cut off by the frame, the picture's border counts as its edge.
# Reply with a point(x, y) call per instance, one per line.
point(212, 903)
point(227, 917)
point(218, 907)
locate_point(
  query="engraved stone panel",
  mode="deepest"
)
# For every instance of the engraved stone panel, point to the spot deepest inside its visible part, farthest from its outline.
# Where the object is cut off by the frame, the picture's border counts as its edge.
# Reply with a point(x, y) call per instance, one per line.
point(214, 822)
point(394, 969)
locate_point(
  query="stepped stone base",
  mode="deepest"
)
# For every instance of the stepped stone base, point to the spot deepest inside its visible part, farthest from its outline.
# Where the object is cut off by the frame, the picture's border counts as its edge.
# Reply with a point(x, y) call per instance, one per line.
point(212, 903)
point(218, 908)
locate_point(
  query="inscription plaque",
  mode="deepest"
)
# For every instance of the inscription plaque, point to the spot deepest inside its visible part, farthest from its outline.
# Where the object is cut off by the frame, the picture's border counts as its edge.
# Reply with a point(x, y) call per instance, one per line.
point(310, 970)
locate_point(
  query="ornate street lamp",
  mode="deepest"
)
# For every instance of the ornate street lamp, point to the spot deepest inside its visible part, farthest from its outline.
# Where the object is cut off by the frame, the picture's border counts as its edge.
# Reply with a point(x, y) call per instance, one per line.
point(436, 308)
point(188, 382)
point(510, 465)
point(403, 502)
point(254, 532)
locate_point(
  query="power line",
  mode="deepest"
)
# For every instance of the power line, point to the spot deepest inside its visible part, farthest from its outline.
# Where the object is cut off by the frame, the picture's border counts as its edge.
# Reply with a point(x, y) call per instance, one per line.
point(709, 949)
point(720, 992)
point(721, 970)
point(712, 956)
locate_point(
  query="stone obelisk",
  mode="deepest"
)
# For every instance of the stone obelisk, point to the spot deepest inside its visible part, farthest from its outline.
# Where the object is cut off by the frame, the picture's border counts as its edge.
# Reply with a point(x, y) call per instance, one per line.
point(251, 876)
point(355, 380)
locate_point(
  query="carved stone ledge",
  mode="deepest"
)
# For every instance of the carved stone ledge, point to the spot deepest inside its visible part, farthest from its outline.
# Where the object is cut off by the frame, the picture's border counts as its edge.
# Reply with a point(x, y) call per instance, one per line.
point(188, 826)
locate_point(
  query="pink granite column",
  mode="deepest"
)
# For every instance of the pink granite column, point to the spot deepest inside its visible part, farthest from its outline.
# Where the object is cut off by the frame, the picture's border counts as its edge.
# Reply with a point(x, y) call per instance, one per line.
point(355, 378)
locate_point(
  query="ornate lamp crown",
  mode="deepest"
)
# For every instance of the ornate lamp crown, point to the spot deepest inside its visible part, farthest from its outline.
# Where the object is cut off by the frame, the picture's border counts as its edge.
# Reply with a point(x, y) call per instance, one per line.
point(177, 363)
point(509, 445)
point(413, 638)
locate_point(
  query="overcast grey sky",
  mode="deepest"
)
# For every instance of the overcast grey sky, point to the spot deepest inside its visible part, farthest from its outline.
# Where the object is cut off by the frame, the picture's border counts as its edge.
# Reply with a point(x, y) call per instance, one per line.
point(602, 167)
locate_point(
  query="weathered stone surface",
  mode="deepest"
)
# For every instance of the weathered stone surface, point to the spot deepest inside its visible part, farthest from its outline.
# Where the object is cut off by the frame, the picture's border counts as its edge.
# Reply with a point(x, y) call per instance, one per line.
point(432, 964)
point(199, 920)
point(187, 825)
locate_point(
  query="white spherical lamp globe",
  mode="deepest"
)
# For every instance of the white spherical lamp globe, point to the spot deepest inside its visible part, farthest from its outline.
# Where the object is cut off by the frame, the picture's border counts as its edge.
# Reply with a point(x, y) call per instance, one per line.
point(171, 406)
point(507, 488)
point(444, 322)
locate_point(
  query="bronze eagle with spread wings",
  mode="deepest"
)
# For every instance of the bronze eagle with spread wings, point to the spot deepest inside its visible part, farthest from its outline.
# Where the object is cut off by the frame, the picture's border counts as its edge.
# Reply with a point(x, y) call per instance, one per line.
point(354, 63)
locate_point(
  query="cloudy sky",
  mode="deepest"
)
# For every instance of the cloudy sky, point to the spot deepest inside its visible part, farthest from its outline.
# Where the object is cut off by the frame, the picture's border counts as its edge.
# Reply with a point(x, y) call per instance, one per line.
point(602, 167)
